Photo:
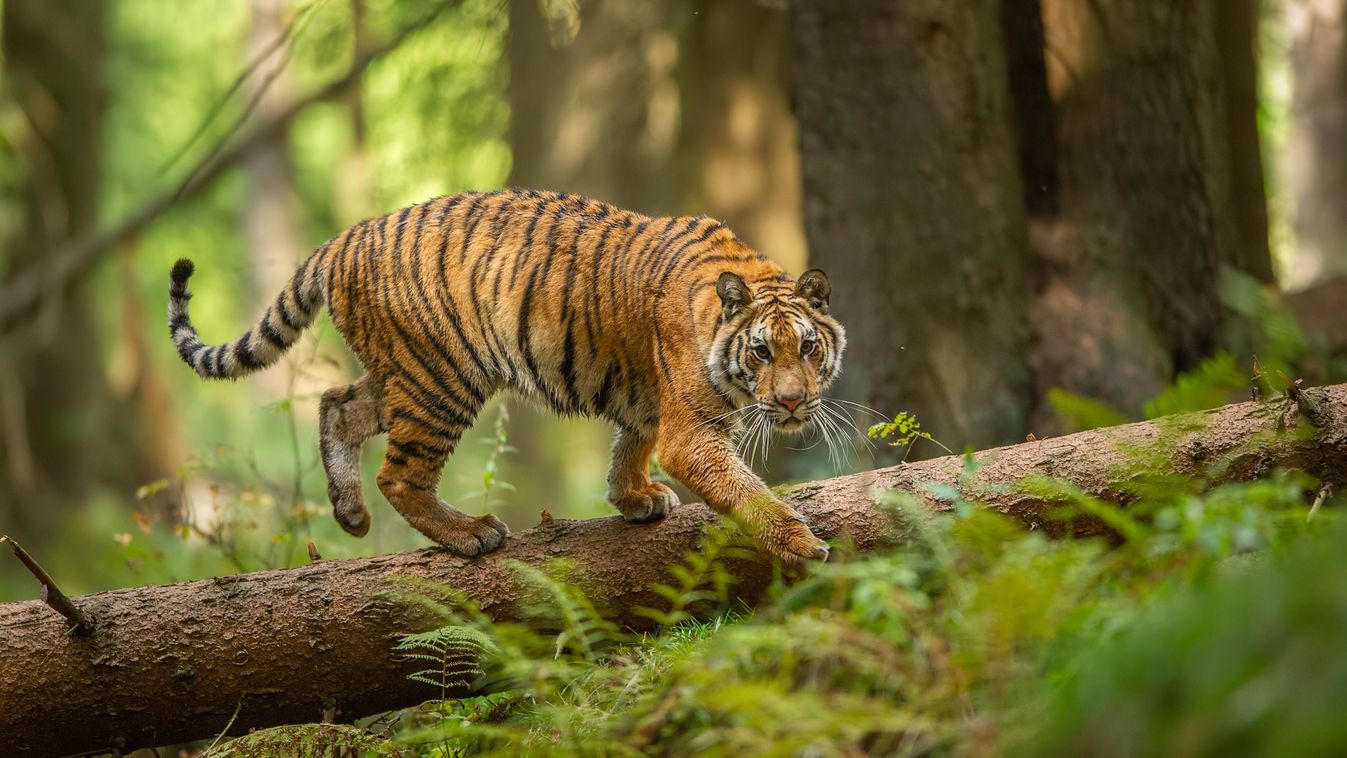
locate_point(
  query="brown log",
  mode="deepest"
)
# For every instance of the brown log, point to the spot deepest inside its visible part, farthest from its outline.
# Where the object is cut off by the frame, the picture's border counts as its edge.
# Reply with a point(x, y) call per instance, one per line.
point(172, 663)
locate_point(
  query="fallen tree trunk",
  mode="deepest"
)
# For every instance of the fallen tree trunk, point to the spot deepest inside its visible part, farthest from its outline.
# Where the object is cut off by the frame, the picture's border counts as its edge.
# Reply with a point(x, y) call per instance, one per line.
point(173, 663)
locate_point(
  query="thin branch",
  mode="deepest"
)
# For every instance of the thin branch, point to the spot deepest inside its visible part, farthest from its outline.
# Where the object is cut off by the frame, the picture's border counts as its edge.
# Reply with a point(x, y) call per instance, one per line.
point(51, 594)
point(282, 40)
point(238, 708)
point(73, 257)
point(1325, 492)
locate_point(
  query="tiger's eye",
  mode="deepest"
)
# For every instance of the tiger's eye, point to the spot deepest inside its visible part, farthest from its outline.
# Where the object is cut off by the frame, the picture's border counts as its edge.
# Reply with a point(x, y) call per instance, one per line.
point(762, 352)
point(808, 347)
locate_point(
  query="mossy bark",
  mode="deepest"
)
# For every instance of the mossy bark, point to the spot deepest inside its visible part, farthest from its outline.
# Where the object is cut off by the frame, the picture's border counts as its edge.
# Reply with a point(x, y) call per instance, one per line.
point(172, 663)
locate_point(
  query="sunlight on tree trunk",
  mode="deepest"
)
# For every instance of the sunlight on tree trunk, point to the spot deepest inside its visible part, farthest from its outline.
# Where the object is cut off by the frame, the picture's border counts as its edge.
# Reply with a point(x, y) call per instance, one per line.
point(271, 208)
point(738, 153)
point(1315, 161)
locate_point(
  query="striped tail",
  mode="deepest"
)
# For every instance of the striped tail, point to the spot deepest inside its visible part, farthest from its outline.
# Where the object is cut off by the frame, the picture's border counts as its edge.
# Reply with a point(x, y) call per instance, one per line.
point(294, 310)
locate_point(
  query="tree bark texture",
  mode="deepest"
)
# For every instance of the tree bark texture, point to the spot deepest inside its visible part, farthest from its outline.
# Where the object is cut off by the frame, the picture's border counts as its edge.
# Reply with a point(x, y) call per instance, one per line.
point(913, 205)
point(1129, 271)
point(172, 663)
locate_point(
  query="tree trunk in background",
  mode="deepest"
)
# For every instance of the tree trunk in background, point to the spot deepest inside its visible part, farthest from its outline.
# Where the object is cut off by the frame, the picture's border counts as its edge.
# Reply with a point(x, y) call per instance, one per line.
point(1035, 120)
point(63, 432)
point(595, 115)
point(271, 208)
point(913, 206)
point(1315, 166)
point(738, 152)
point(1237, 60)
point(1128, 287)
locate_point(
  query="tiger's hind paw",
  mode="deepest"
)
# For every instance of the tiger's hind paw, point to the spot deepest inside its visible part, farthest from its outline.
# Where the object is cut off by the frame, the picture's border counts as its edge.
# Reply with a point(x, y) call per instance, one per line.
point(350, 512)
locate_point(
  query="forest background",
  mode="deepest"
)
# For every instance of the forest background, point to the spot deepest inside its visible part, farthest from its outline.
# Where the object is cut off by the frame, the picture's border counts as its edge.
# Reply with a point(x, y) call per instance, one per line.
point(1037, 214)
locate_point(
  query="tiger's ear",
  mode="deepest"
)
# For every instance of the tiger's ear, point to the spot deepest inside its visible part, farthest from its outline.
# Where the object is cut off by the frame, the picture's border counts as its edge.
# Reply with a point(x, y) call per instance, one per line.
point(813, 287)
point(734, 295)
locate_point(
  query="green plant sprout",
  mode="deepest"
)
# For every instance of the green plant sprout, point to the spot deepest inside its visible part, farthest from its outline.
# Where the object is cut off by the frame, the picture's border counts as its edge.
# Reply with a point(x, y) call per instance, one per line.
point(904, 431)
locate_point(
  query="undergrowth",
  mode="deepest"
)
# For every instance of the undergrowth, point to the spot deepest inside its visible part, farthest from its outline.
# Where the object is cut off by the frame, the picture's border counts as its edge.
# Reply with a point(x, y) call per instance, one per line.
point(971, 636)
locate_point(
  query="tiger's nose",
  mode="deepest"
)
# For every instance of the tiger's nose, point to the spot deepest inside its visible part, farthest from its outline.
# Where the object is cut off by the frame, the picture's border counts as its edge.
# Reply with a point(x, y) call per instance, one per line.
point(791, 401)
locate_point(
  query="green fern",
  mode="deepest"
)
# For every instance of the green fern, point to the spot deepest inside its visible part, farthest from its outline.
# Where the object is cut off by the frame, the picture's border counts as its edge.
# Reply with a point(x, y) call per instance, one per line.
point(581, 629)
point(454, 652)
point(703, 578)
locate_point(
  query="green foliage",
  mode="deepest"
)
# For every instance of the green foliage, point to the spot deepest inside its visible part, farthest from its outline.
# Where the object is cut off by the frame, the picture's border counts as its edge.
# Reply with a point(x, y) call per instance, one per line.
point(959, 640)
point(703, 579)
point(904, 430)
point(1269, 345)
point(453, 652)
point(1078, 413)
point(1214, 382)
point(498, 446)
point(1250, 665)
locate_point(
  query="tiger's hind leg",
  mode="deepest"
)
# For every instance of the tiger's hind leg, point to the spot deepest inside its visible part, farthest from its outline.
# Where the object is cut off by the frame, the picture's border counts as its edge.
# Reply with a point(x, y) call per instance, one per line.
point(347, 416)
point(630, 489)
point(420, 439)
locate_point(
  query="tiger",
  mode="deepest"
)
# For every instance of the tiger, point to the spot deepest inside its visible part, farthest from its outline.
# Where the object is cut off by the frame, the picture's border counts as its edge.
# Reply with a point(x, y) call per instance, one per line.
point(670, 328)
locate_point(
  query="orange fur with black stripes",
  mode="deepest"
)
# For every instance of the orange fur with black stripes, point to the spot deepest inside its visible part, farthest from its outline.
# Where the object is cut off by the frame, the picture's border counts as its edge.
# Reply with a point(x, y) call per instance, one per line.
point(668, 327)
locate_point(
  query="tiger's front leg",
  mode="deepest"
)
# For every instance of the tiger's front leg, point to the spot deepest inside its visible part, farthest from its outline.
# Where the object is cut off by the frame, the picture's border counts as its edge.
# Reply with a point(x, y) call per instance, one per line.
point(703, 458)
point(630, 489)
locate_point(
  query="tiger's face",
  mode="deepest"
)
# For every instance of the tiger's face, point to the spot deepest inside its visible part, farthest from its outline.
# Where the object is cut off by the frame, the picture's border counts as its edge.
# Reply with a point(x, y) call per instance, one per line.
point(776, 348)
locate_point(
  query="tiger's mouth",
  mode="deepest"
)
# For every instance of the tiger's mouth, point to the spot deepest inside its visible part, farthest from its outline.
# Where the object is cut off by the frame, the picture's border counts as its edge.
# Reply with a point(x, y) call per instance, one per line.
point(789, 421)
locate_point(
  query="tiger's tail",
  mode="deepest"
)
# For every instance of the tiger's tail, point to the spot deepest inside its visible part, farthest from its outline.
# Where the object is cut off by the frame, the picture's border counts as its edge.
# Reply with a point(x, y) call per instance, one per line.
point(293, 311)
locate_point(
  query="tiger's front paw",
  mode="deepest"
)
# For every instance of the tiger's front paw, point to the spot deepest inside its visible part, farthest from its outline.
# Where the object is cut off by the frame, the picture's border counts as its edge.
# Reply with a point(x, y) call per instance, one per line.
point(787, 537)
point(649, 503)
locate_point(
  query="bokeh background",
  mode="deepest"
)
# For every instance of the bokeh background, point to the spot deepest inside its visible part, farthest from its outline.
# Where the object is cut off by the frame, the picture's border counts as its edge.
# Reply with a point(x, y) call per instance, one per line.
point(1037, 214)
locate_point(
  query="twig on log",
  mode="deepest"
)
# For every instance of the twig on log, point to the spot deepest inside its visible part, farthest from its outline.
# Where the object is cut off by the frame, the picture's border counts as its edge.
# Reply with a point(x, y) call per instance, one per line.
point(1325, 492)
point(56, 268)
point(51, 594)
point(1308, 405)
point(1256, 393)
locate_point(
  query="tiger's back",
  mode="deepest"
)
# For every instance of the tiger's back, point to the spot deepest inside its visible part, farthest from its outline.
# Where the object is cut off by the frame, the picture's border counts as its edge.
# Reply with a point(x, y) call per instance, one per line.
point(548, 293)
point(574, 303)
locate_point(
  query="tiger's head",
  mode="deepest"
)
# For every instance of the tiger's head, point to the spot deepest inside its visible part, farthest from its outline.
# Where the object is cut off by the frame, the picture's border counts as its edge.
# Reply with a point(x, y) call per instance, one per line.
point(776, 348)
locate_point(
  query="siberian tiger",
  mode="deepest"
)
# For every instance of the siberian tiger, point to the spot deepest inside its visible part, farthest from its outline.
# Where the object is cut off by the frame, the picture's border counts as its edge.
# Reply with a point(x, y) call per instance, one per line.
point(670, 328)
